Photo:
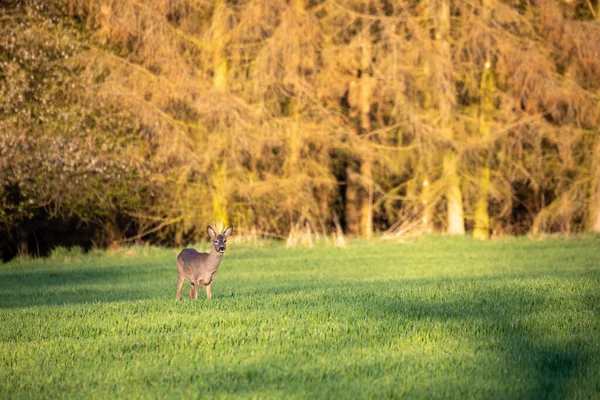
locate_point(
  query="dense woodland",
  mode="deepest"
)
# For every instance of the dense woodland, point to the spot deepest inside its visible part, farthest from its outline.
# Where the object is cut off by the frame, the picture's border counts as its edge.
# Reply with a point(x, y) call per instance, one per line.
point(124, 120)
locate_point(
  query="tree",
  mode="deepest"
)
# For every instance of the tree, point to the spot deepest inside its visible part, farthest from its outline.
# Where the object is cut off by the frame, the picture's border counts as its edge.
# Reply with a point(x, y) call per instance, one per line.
point(278, 116)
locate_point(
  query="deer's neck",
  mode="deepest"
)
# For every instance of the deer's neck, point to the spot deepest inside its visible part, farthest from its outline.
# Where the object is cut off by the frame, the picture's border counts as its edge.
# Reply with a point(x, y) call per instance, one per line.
point(214, 259)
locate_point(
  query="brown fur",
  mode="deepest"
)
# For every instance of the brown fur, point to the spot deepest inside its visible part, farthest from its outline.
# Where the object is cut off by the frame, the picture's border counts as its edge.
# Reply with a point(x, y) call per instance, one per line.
point(200, 268)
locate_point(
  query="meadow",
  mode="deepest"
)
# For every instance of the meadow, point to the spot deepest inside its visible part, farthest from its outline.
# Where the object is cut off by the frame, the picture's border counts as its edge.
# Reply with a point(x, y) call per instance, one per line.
point(430, 317)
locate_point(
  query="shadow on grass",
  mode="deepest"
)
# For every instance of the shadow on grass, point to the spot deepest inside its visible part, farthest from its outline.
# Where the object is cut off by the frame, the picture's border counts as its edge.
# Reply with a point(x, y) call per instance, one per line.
point(502, 321)
point(509, 319)
point(538, 366)
point(77, 285)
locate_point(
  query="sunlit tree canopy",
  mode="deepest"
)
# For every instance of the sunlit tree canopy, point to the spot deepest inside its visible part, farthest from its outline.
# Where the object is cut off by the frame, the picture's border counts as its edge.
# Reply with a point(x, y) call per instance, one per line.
point(147, 120)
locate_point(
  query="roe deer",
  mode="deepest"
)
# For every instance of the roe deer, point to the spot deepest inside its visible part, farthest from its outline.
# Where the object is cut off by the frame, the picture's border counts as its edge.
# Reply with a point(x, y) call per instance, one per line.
point(200, 268)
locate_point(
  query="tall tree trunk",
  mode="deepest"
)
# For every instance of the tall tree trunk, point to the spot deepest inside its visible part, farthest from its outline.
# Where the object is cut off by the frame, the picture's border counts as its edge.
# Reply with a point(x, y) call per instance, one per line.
point(293, 146)
point(361, 190)
point(366, 84)
point(594, 208)
point(219, 61)
point(294, 141)
point(294, 135)
point(447, 97)
point(482, 217)
point(427, 202)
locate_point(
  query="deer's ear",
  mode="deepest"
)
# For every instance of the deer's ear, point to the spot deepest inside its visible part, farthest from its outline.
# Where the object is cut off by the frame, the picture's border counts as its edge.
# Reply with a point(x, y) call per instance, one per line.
point(211, 231)
point(228, 231)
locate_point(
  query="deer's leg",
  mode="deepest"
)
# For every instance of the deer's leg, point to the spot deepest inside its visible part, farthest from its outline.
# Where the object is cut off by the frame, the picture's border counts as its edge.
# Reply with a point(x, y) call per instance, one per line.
point(192, 287)
point(209, 291)
point(180, 281)
point(196, 287)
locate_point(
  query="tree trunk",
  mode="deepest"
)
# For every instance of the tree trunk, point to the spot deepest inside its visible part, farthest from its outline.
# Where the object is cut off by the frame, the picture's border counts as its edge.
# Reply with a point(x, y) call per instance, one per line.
point(366, 85)
point(219, 176)
point(360, 97)
point(447, 97)
point(445, 81)
point(366, 208)
point(219, 195)
point(218, 46)
point(428, 206)
point(594, 219)
point(456, 222)
point(350, 209)
point(482, 217)
point(595, 192)
point(486, 107)
point(299, 6)
point(112, 234)
point(427, 202)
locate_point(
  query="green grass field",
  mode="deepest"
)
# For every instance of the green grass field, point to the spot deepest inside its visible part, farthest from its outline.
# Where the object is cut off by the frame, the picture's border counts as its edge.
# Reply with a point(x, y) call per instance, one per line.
point(434, 317)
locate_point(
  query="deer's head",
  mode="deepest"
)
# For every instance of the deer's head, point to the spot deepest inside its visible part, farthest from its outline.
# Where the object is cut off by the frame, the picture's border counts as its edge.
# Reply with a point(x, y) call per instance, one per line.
point(219, 240)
